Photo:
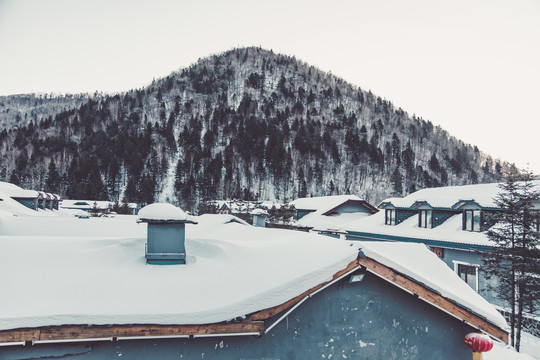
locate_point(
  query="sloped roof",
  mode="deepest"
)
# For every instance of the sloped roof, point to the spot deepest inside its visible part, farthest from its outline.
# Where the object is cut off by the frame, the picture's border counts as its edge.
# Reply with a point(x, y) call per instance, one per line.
point(320, 208)
point(15, 191)
point(449, 231)
point(231, 273)
point(446, 197)
point(322, 203)
point(232, 270)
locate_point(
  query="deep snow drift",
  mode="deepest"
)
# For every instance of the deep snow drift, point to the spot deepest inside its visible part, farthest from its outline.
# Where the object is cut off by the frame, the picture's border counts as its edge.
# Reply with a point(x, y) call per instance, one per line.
point(232, 270)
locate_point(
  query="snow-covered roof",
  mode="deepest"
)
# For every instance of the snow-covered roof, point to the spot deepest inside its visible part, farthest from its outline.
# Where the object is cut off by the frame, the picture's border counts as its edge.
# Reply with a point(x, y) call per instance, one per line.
point(245, 206)
point(322, 203)
point(417, 262)
point(15, 191)
point(90, 204)
point(319, 219)
point(163, 212)
point(449, 231)
point(446, 197)
point(231, 271)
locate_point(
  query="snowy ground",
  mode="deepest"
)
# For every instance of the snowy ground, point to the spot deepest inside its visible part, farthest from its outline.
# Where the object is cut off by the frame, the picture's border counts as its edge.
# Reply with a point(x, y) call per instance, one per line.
point(530, 350)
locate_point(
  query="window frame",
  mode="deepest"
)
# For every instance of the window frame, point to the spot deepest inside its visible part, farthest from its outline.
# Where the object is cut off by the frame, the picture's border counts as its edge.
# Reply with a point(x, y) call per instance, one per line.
point(390, 217)
point(472, 220)
point(425, 221)
point(476, 272)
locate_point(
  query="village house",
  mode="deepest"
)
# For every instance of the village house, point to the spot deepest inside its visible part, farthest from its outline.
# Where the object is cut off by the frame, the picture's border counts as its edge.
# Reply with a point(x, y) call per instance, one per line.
point(328, 214)
point(242, 292)
point(95, 207)
point(450, 220)
point(30, 198)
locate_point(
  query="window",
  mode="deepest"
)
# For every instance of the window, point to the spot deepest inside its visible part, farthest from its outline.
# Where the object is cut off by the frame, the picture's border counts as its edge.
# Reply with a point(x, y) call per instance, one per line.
point(425, 219)
point(472, 220)
point(536, 223)
point(390, 217)
point(468, 273)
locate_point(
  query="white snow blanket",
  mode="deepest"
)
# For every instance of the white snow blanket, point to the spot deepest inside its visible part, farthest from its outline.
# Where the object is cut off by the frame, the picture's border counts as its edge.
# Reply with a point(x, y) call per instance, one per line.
point(448, 196)
point(69, 271)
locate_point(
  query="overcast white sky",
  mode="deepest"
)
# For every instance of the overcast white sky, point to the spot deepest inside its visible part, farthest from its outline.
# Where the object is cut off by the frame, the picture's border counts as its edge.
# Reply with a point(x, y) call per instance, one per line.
point(471, 66)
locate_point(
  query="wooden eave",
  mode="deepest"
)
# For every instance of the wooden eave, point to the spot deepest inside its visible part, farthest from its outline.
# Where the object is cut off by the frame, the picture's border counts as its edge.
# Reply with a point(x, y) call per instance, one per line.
point(434, 298)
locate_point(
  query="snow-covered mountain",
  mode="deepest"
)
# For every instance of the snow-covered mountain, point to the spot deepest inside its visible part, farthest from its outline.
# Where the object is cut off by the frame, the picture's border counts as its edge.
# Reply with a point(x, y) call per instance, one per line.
point(247, 123)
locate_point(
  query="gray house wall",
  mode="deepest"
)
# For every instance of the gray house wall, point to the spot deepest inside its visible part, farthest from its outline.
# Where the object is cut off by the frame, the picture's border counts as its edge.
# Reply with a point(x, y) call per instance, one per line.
point(371, 320)
point(473, 258)
point(29, 203)
point(402, 215)
point(352, 207)
point(440, 216)
point(301, 213)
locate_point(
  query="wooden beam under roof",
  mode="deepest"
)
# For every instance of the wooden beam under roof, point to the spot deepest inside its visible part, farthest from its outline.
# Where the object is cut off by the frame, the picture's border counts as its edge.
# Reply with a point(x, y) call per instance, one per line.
point(89, 332)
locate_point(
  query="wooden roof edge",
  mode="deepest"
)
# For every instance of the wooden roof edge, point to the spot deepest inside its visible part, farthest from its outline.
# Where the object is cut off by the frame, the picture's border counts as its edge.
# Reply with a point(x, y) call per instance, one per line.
point(435, 299)
point(64, 333)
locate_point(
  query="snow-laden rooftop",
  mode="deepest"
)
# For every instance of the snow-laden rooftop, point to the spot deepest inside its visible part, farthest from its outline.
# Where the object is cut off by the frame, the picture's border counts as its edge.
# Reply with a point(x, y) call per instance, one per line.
point(445, 197)
point(420, 264)
point(90, 204)
point(231, 271)
point(12, 190)
point(322, 203)
point(319, 206)
point(63, 270)
point(449, 231)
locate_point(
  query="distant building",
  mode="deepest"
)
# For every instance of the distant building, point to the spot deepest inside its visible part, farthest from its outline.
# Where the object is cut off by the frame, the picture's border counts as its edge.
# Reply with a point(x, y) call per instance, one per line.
point(328, 214)
point(450, 220)
point(30, 198)
point(95, 207)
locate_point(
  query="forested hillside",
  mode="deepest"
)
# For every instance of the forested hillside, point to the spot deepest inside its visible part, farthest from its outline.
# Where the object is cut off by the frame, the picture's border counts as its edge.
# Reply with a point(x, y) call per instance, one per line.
point(247, 124)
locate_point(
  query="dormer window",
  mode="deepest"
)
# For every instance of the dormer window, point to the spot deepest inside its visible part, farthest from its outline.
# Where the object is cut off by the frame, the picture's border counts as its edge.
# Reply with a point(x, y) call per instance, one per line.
point(472, 220)
point(390, 217)
point(425, 219)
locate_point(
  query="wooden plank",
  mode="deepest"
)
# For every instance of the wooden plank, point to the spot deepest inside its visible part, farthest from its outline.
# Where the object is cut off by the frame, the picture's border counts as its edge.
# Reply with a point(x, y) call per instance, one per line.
point(268, 313)
point(434, 298)
point(72, 332)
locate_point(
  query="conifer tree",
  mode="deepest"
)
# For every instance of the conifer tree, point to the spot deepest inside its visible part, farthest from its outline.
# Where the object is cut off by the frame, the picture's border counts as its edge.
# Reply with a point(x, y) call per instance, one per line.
point(515, 258)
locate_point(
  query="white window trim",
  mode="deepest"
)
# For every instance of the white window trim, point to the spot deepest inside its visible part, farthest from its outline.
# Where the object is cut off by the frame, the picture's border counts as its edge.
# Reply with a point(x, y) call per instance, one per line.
point(476, 267)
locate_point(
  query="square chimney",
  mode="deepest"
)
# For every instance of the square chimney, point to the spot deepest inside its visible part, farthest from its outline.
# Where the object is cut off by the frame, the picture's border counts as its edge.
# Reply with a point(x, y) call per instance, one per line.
point(166, 234)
